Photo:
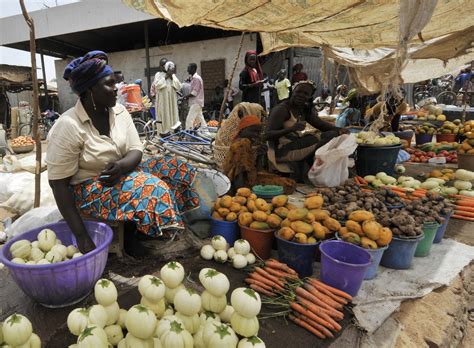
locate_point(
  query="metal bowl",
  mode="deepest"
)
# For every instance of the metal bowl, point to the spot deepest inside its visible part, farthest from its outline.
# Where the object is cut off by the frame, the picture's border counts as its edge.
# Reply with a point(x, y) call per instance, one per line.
point(23, 148)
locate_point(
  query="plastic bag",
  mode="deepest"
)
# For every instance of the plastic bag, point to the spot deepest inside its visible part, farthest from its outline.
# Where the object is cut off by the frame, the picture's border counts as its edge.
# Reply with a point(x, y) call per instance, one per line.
point(332, 161)
point(36, 217)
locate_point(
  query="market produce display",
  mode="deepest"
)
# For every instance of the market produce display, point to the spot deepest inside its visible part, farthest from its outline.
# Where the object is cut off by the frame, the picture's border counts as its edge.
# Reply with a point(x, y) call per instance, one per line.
point(17, 331)
point(309, 303)
point(46, 250)
point(308, 225)
point(371, 138)
point(186, 319)
point(423, 153)
point(239, 254)
point(432, 113)
point(426, 128)
point(22, 140)
point(362, 229)
point(467, 146)
point(449, 127)
point(341, 201)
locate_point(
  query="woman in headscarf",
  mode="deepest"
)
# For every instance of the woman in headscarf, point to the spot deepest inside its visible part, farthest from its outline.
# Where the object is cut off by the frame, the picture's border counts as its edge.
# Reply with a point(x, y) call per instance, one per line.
point(298, 74)
point(244, 164)
point(286, 122)
point(251, 79)
point(95, 163)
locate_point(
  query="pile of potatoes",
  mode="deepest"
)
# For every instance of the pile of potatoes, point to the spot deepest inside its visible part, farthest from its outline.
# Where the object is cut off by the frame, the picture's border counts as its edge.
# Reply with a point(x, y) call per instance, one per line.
point(307, 225)
point(251, 211)
point(362, 229)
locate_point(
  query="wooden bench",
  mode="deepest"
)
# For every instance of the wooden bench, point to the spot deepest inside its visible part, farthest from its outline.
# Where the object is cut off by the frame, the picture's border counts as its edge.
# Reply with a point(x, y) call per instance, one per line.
point(116, 247)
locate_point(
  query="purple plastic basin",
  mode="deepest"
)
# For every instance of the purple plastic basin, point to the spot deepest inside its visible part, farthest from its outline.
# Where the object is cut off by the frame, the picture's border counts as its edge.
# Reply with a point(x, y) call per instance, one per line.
point(343, 265)
point(65, 283)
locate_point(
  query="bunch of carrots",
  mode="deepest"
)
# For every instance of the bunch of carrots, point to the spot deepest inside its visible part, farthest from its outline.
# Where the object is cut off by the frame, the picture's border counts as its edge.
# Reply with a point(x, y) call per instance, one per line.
point(309, 303)
point(404, 193)
point(463, 207)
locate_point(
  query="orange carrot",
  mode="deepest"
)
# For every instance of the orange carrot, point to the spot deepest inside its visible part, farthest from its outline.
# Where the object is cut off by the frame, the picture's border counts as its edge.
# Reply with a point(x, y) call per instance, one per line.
point(306, 326)
point(256, 282)
point(395, 188)
point(334, 291)
point(301, 310)
point(461, 197)
point(461, 217)
point(464, 213)
point(279, 274)
point(463, 208)
point(362, 180)
point(465, 203)
point(314, 324)
point(272, 263)
point(264, 273)
point(331, 311)
point(262, 290)
point(325, 298)
point(266, 281)
point(319, 312)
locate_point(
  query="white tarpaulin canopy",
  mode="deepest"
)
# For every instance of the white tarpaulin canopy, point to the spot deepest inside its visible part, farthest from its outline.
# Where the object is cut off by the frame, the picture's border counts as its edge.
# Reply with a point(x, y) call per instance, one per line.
point(362, 35)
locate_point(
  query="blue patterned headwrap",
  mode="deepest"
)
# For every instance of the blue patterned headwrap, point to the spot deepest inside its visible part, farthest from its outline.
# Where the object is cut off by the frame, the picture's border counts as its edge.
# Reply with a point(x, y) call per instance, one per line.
point(84, 72)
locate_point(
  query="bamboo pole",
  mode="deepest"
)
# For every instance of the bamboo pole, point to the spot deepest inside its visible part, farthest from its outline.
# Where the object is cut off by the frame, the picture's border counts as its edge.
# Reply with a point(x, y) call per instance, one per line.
point(34, 78)
point(229, 83)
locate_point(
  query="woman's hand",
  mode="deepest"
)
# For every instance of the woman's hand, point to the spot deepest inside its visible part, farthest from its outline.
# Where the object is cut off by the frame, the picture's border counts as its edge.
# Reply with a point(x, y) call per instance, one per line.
point(299, 126)
point(111, 174)
point(85, 243)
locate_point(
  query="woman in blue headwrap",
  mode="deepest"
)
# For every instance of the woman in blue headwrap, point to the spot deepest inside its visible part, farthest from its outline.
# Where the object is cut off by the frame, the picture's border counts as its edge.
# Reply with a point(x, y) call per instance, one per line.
point(95, 163)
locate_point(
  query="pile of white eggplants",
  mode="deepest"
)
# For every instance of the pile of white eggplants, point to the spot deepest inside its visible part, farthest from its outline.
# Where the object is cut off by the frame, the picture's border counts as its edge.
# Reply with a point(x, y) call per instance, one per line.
point(219, 250)
point(170, 315)
point(17, 331)
point(45, 250)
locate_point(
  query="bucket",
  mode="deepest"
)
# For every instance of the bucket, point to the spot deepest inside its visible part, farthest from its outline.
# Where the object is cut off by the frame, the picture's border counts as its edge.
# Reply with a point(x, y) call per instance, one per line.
point(343, 265)
point(400, 252)
point(298, 256)
point(450, 138)
point(376, 257)
point(423, 138)
point(424, 246)
point(373, 159)
point(228, 230)
point(442, 229)
point(260, 241)
point(134, 97)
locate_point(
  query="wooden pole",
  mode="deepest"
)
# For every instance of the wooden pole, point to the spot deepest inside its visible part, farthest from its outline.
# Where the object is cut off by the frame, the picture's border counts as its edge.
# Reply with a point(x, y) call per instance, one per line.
point(45, 83)
point(147, 59)
point(36, 136)
point(229, 84)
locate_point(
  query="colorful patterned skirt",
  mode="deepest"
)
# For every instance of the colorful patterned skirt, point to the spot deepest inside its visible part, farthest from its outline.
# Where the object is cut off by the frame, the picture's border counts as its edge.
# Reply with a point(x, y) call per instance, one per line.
point(153, 196)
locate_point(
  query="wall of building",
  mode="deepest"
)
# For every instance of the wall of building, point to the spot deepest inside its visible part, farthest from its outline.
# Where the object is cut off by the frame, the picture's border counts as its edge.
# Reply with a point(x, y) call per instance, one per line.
point(132, 63)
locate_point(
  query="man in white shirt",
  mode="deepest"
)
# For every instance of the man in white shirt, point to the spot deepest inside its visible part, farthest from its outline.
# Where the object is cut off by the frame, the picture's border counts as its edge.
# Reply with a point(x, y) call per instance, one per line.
point(196, 100)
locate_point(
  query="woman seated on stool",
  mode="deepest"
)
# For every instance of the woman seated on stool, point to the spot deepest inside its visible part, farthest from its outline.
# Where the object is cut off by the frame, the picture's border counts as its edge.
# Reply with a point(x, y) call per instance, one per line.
point(95, 163)
point(244, 164)
point(288, 119)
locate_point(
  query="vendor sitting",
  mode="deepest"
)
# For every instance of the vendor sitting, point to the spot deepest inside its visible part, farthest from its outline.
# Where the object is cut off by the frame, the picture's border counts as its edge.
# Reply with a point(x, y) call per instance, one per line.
point(95, 163)
point(286, 122)
point(393, 107)
point(245, 161)
point(351, 115)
